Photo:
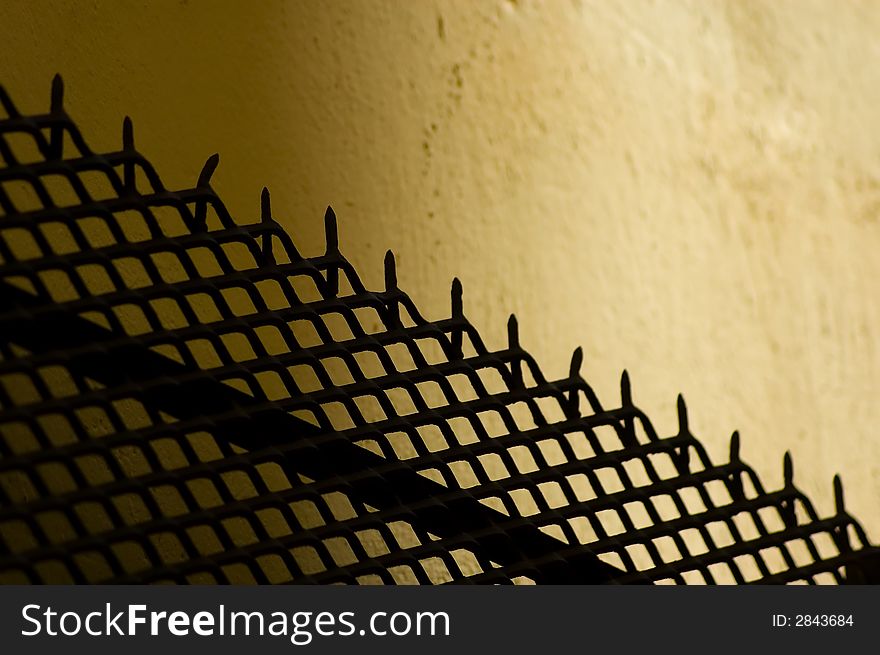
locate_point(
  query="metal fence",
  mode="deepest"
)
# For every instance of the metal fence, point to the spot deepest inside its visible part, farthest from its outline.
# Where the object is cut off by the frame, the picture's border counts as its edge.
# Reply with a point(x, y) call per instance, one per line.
point(186, 398)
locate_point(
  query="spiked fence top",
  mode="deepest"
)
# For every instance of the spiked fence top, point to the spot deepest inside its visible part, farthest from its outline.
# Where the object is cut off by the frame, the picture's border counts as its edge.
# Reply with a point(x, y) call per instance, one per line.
point(187, 398)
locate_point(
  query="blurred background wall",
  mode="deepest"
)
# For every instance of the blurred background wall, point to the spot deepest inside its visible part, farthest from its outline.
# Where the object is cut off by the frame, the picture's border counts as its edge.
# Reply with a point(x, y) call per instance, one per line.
point(690, 190)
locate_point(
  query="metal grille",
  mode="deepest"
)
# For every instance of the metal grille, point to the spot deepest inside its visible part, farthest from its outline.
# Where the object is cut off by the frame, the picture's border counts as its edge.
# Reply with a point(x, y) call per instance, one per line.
point(186, 398)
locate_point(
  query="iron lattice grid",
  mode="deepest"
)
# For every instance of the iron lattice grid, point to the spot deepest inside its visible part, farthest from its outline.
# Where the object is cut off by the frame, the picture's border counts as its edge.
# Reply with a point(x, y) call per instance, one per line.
point(184, 398)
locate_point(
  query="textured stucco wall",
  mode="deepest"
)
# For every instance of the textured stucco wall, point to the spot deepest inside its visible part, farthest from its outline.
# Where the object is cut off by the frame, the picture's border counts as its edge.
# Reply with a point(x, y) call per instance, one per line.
point(690, 190)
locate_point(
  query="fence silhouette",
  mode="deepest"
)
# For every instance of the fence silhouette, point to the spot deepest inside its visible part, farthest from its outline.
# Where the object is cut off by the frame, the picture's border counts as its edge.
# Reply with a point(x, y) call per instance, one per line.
point(186, 398)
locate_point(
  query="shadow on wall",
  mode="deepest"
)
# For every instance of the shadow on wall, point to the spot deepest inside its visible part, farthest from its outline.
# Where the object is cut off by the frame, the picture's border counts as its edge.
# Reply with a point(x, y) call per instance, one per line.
point(688, 191)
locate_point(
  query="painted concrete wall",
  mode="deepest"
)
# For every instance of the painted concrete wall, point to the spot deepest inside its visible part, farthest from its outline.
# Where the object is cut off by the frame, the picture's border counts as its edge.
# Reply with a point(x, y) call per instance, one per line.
point(690, 190)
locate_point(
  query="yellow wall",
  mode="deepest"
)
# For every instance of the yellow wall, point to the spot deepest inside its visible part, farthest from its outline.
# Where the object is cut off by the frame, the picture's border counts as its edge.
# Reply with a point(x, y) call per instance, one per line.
point(690, 190)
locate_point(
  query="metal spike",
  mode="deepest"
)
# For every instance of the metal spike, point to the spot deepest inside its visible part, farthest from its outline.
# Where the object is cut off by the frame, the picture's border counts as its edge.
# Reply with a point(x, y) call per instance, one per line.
point(573, 408)
point(625, 389)
point(840, 533)
point(787, 470)
point(265, 205)
point(127, 134)
point(734, 447)
point(266, 217)
point(128, 178)
point(513, 344)
point(331, 235)
point(201, 213)
point(838, 496)
point(330, 231)
point(208, 170)
point(456, 294)
point(629, 426)
point(56, 103)
point(56, 106)
point(457, 333)
point(390, 272)
point(683, 455)
point(735, 485)
point(786, 508)
point(577, 360)
point(393, 307)
point(683, 427)
point(512, 332)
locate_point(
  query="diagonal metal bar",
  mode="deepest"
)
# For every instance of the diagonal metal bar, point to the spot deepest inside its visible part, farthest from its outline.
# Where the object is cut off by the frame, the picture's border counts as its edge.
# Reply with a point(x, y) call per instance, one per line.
point(373, 479)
